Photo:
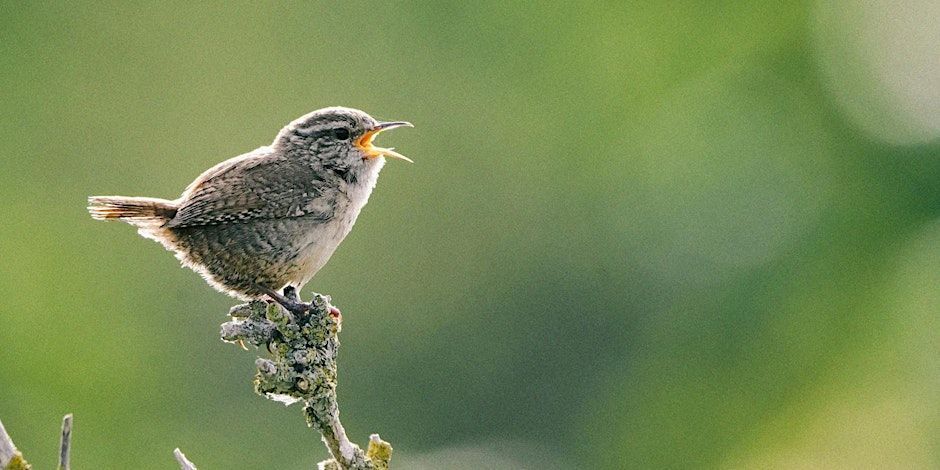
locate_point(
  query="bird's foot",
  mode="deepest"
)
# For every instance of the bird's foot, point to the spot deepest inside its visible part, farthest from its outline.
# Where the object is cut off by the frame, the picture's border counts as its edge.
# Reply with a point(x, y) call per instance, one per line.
point(289, 301)
point(291, 293)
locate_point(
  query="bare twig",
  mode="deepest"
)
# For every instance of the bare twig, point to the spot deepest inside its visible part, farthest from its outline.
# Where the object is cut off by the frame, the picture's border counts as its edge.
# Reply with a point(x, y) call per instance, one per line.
point(185, 464)
point(10, 458)
point(65, 443)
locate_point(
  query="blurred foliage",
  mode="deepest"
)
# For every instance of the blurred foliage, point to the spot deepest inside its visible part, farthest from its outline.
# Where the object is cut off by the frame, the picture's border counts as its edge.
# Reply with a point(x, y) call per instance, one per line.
point(637, 235)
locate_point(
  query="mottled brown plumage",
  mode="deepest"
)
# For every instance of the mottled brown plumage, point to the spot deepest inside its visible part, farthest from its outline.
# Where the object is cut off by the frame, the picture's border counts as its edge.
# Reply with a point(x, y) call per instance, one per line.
point(270, 218)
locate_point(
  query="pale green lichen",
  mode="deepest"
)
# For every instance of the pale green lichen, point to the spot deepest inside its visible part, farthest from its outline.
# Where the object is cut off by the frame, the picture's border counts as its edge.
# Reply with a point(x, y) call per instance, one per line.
point(379, 452)
point(18, 463)
point(302, 367)
point(10, 457)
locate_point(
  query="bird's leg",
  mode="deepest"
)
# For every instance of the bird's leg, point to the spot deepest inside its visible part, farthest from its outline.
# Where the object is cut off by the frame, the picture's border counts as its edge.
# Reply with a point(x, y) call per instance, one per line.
point(291, 304)
point(291, 292)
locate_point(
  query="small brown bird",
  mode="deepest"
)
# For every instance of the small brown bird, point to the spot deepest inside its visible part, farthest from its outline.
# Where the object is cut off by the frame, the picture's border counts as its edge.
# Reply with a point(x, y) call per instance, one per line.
point(271, 218)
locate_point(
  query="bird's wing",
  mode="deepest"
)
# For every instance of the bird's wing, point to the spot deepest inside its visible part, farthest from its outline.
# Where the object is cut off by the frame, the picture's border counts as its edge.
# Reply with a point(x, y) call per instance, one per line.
point(257, 185)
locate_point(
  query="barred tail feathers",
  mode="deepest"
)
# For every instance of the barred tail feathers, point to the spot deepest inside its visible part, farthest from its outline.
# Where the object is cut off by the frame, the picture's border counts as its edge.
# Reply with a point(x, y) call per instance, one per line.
point(139, 211)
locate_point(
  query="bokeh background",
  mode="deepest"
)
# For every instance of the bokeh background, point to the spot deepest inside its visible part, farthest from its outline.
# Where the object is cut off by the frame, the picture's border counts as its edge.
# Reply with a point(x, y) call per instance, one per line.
point(636, 235)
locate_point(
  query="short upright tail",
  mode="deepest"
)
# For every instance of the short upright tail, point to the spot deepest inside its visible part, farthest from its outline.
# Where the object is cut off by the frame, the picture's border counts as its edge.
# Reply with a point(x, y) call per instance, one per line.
point(140, 211)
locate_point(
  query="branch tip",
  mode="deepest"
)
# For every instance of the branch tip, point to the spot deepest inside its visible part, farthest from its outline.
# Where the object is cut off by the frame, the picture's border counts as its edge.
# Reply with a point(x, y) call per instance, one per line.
point(185, 464)
point(65, 443)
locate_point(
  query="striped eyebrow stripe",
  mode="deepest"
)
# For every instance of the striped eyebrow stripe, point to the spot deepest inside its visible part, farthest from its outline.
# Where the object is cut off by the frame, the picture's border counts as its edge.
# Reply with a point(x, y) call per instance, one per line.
point(320, 129)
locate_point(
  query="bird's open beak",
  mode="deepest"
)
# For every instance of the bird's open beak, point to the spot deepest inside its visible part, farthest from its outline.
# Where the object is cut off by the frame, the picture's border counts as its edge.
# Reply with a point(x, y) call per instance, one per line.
point(365, 142)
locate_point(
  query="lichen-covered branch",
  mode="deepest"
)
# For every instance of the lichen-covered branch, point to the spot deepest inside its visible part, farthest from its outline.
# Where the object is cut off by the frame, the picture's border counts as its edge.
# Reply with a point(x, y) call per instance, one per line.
point(303, 369)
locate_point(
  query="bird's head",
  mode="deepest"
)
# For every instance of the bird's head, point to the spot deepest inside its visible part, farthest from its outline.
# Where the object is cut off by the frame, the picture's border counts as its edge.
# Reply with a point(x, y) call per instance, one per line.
point(340, 139)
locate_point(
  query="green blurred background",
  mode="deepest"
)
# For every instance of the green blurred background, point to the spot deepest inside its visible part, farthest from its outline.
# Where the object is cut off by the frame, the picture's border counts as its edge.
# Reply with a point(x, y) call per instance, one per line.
point(637, 235)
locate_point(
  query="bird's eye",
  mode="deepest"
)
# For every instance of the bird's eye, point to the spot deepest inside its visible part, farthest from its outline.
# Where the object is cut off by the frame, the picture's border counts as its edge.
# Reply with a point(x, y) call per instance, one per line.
point(341, 133)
